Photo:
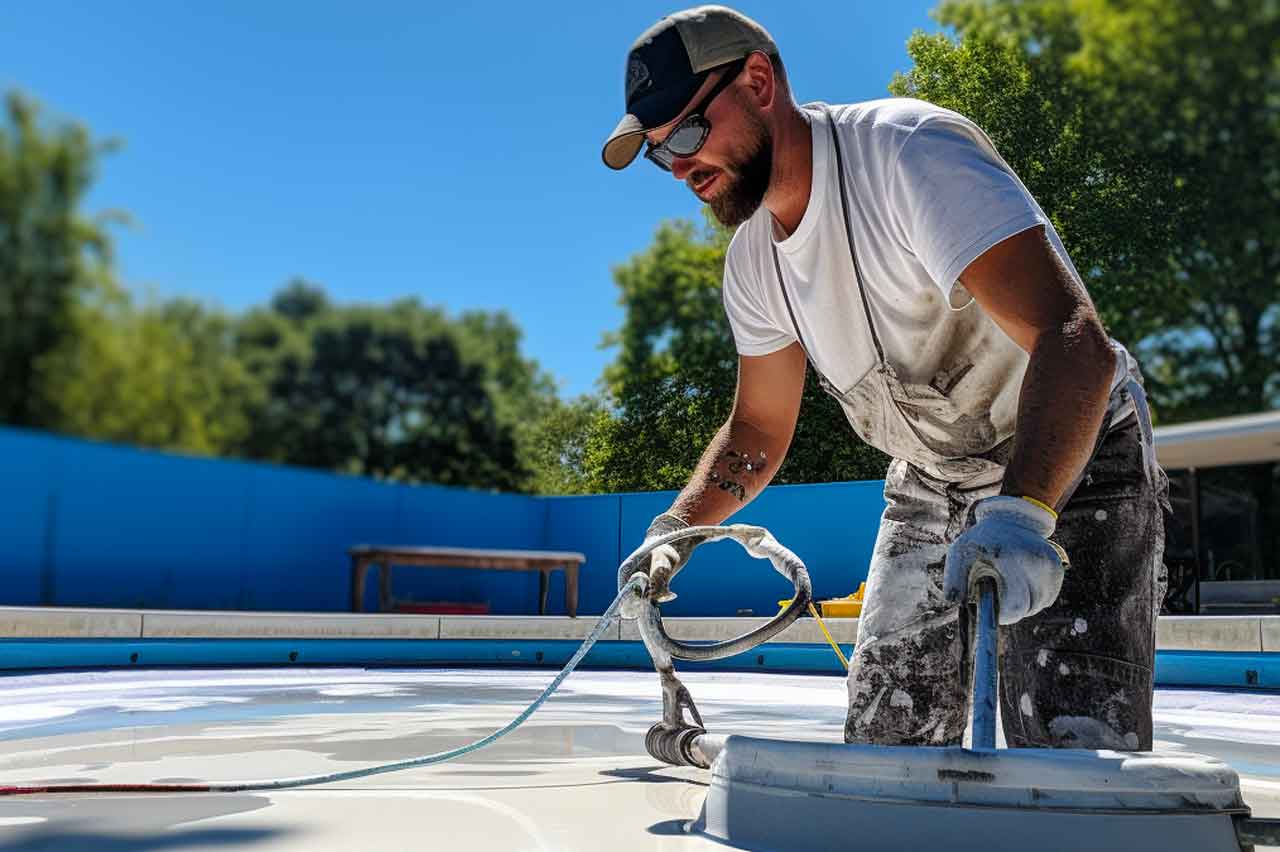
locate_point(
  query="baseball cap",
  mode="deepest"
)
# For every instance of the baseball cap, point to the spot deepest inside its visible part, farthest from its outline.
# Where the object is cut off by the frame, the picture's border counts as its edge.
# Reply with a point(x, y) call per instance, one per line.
point(667, 65)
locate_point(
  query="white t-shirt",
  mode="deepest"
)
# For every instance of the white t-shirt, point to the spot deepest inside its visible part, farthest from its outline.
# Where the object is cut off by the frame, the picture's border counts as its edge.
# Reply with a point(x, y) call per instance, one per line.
point(927, 195)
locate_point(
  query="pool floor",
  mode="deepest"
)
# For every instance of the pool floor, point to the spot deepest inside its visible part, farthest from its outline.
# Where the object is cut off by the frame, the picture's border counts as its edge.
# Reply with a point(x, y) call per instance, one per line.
point(574, 777)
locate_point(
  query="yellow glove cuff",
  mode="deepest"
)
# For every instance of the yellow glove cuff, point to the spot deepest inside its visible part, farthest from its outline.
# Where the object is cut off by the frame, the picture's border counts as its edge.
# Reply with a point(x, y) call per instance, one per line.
point(1034, 502)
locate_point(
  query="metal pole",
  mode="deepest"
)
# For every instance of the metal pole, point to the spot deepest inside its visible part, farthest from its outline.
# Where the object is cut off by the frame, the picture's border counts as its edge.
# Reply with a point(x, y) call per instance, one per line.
point(986, 667)
point(1193, 486)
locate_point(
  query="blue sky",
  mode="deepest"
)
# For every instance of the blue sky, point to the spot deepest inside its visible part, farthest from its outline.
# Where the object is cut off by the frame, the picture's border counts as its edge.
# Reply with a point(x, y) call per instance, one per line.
point(385, 149)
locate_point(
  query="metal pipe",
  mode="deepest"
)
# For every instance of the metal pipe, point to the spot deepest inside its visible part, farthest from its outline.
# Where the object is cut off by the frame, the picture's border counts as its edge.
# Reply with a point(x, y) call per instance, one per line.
point(986, 667)
point(1193, 487)
point(683, 746)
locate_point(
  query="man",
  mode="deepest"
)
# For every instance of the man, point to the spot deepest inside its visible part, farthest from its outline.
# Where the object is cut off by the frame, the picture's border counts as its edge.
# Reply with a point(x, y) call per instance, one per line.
point(888, 245)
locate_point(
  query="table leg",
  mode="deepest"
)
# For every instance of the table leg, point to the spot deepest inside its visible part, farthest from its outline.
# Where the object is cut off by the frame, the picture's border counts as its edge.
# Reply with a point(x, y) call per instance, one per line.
point(542, 591)
point(384, 586)
point(571, 589)
point(359, 570)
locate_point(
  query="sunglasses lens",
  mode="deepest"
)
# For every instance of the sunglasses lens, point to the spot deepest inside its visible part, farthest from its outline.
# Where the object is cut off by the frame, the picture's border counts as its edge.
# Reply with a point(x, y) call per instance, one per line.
point(686, 139)
point(660, 157)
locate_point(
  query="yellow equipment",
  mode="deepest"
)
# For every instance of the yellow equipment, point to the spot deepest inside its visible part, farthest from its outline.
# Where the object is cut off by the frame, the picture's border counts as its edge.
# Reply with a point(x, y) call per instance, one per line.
point(849, 606)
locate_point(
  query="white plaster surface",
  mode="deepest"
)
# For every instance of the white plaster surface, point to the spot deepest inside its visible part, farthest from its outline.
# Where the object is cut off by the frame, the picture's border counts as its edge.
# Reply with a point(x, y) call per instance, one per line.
point(574, 777)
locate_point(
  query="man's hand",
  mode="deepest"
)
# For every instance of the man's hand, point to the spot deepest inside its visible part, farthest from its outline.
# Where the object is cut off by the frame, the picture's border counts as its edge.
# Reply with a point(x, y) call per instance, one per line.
point(1009, 542)
point(673, 555)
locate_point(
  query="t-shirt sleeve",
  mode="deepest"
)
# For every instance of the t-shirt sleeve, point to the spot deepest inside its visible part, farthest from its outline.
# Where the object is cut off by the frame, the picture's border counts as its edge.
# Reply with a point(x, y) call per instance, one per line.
point(954, 198)
point(754, 333)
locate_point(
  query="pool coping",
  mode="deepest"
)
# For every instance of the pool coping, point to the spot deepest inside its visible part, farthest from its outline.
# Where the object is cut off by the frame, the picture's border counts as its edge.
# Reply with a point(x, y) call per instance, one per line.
point(1244, 634)
point(1192, 651)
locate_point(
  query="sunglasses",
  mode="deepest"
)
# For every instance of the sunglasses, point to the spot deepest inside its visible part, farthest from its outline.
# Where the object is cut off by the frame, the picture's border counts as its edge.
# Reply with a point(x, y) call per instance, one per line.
point(687, 138)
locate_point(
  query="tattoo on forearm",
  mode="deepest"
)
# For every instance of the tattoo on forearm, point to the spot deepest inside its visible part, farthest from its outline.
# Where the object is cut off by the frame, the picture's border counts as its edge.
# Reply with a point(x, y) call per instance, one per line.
point(735, 489)
point(738, 465)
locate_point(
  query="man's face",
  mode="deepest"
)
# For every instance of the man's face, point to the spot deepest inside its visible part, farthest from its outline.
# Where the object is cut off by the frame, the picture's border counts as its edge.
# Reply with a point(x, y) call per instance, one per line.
point(731, 171)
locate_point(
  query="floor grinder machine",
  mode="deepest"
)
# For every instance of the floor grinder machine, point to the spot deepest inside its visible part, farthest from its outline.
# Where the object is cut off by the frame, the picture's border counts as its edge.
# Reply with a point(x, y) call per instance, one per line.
point(768, 794)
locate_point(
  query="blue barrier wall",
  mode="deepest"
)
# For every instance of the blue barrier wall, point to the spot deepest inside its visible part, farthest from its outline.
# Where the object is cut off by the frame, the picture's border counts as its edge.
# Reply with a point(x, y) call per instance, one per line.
point(91, 524)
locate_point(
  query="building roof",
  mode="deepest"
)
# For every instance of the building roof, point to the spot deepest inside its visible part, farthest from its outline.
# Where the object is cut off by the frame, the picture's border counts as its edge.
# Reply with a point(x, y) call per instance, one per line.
point(1246, 439)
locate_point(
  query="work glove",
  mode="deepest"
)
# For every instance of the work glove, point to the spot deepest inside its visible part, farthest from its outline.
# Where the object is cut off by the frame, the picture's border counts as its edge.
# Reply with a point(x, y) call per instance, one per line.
point(674, 555)
point(1009, 542)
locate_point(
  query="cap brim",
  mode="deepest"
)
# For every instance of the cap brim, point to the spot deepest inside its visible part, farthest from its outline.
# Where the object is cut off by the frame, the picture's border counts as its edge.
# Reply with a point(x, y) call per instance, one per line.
point(624, 143)
point(647, 114)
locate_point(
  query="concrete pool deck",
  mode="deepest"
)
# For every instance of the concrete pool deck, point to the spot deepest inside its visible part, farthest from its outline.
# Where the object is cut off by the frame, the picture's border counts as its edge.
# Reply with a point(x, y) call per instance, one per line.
point(574, 777)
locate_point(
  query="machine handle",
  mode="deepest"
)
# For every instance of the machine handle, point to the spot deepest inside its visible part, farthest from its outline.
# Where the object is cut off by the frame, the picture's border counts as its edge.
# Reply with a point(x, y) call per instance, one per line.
point(984, 645)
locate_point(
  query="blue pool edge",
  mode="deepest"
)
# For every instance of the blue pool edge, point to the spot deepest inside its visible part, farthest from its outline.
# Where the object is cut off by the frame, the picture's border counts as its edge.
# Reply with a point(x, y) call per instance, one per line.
point(1173, 668)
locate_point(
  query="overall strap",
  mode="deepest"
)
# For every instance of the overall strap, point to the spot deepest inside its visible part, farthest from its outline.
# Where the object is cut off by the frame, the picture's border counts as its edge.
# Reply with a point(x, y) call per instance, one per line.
point(853, 254)
point(848, 227)
point(787, 299)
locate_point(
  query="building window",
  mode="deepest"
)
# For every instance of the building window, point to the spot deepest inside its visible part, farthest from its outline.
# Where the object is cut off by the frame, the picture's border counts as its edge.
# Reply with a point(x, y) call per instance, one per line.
point(1239, 522)
point(1225, 529)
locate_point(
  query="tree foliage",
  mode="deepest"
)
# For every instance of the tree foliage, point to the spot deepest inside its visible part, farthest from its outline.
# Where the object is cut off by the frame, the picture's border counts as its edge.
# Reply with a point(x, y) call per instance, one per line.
point(398, 391)
point(1150, 133)
point(523, 394)
point(162, 375)
point(556, 445)
point(49, 252)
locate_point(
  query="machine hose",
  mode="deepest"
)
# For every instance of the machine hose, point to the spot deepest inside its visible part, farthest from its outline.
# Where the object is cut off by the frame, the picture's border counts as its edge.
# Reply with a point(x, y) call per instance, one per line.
point(636, 587)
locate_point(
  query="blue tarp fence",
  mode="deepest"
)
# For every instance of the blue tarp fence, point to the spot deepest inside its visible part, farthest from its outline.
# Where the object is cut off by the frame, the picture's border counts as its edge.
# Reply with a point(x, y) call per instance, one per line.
point(92, 524)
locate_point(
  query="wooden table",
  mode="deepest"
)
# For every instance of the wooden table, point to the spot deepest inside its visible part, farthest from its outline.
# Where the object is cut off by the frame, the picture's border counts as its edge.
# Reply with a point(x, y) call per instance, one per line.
point(542, 561)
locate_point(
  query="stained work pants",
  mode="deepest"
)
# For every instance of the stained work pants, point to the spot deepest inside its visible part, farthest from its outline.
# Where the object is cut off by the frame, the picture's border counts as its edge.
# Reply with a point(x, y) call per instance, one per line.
point(1078, 674)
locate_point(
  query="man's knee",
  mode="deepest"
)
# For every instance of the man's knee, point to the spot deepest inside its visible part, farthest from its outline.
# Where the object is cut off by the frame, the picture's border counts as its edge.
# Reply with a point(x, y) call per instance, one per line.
point(907, 692)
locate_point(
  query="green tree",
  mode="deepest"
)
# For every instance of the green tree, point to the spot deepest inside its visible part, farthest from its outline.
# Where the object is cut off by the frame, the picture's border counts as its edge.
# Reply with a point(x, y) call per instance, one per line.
point(397, 391)
point(672, 384)
point(164, 375)
point(1150, 134)
point(524, 395)
point(300, 300)
point(49, 251)
point(555, 446)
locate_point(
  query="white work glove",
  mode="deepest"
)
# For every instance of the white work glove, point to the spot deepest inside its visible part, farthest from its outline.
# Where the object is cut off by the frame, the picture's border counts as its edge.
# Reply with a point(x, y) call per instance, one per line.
point(673, 555)
point(1008, 542)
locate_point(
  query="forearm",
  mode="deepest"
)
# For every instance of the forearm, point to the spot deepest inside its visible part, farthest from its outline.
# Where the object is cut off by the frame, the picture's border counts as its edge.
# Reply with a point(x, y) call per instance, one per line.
point(1060, 410)
point(737, 465)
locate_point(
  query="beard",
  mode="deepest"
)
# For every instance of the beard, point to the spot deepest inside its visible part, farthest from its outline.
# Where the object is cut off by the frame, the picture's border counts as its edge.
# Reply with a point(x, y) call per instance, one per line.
point(745, 181)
